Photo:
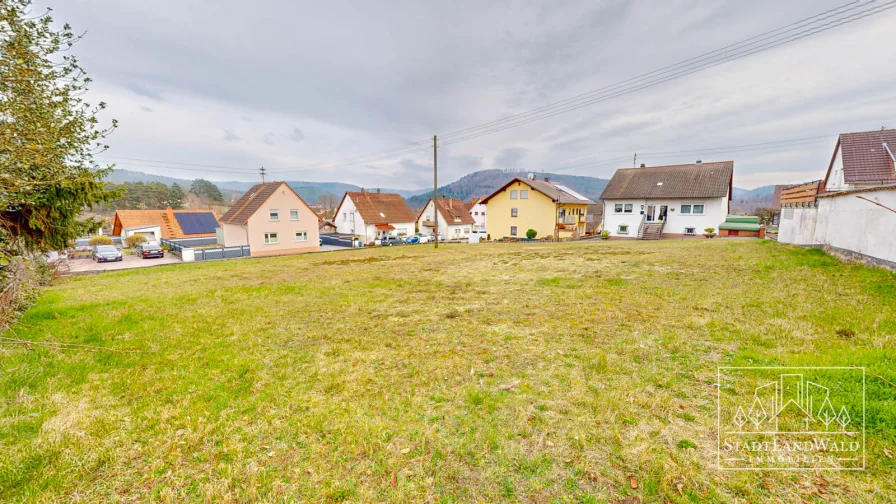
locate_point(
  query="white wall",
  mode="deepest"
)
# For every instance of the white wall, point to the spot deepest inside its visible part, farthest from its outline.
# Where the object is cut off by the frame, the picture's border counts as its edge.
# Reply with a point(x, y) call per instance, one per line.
point(797, 226)
point(835, 179)
point(714, 212)
point(348, 220)
point(478, 213)
point(450, 231)
point(852, 223)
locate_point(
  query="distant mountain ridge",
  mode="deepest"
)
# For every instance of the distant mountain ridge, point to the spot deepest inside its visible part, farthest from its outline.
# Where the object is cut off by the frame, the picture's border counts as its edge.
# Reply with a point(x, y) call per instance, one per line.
point(309, 191)
point(482, 183)
point(473, 185)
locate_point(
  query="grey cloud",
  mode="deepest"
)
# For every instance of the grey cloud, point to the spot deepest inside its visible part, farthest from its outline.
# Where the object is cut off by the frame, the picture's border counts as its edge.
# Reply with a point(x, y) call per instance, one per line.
point(268, 139)
point(495, 59)
point(231, 136)
point(144, 91)
point(145, 108)
point(509, 158)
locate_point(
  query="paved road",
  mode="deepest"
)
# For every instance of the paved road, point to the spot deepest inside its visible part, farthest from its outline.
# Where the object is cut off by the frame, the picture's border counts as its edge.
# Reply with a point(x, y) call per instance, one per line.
point(127, 262)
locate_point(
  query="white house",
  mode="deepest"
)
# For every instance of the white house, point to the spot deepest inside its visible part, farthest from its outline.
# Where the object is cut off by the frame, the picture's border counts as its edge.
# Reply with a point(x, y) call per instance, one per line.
point(372, 215)
point(667, 201)
point(477, 211)
point(853, 209)
point(455, 221)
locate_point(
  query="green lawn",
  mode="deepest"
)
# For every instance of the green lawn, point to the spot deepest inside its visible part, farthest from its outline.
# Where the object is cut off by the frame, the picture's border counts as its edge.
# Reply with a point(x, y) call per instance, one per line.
point(576, 372)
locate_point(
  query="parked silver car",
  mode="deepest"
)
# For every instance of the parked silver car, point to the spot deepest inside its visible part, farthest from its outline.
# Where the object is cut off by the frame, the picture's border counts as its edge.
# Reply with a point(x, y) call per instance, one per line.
point(106, 253)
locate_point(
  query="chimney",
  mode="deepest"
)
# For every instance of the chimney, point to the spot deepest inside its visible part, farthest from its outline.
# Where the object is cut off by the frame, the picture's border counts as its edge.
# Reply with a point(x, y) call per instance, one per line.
point(643, 165)
point(546, 179)
point(699, 162)
point(362, 190)
point(377, 190)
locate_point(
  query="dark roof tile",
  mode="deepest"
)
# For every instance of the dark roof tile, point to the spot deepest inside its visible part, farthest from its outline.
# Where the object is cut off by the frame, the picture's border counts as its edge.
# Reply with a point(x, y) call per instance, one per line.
point(704, 180)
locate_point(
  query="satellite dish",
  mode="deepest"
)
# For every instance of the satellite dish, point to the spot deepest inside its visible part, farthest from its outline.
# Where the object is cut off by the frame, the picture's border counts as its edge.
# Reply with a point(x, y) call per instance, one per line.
point(531, 176)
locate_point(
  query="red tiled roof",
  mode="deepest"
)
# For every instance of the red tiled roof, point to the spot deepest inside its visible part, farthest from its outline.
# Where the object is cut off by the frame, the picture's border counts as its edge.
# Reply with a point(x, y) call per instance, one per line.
point(452, 209)
point(165, 219)
point(865, 157)
point(380, 208)
point(704, 180)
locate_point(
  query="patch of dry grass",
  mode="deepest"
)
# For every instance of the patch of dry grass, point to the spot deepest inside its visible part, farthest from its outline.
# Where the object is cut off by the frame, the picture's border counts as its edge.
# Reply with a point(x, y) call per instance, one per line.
point(580, 372)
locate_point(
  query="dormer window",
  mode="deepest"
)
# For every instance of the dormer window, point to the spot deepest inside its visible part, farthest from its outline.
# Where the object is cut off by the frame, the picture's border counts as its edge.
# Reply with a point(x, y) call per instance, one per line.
point(382, 215)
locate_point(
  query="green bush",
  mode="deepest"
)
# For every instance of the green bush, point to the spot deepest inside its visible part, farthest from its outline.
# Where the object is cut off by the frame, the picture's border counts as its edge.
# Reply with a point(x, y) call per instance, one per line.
point(531, 234)
point(604, 235)
point(96, 241)
point(134, 240)
point(709, 230)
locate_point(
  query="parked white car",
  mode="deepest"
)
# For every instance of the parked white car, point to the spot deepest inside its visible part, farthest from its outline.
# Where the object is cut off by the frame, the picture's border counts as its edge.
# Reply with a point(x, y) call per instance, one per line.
point(476, 236)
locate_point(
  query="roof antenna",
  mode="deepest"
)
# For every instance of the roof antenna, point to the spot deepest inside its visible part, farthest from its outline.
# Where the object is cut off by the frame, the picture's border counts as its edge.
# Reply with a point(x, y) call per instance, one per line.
point(262, 172)
point(635, 161)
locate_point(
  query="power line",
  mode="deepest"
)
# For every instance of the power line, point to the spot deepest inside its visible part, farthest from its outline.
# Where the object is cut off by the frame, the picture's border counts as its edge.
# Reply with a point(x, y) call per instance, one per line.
point(810, 26)
point(661, 70)
point(793, 142)
point(661, 80)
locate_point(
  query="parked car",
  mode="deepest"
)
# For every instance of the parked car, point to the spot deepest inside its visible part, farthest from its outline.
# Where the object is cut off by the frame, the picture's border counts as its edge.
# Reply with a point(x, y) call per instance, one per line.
point(391, 240)
point(148, 250)
point(106, 253)
point(412, 240)
point(424, 238)
point(432, 236)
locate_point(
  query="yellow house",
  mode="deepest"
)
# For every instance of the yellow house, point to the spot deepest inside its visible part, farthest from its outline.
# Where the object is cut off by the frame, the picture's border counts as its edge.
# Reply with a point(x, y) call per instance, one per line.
point(551, 209)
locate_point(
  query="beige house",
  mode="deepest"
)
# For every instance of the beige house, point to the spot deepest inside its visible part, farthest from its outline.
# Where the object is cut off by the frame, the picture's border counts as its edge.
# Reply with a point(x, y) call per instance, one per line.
point(272, 220)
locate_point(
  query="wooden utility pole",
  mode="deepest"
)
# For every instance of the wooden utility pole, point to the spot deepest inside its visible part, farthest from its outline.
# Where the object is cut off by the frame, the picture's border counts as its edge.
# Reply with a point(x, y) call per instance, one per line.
point(435, 187)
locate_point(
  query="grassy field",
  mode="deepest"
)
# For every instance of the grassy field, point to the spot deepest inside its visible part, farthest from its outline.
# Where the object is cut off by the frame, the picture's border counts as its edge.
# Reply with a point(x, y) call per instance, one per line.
point(546, 373)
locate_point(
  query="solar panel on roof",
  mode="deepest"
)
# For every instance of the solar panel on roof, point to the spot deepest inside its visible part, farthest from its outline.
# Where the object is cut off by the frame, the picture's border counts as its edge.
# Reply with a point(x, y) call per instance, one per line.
point(196, 222)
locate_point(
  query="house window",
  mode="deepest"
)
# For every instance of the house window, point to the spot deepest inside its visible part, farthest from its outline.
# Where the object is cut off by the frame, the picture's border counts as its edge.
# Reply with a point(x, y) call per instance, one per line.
point(301, 236)
point(271, 238)
point(524, 194)
point(617, 208)
point(685, 209)
point(628, 208)
point(513, 194)
point(512, 230)
point(698, 209)
point(623, 229)
point(293, 215)
point(344, 216)
point(275, 214)
point(401, 231)
point(513, 212)
point(690, 231)
point(483, 214)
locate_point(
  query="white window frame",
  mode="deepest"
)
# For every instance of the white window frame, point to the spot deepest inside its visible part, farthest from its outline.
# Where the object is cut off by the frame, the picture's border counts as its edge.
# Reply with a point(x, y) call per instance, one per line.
point(302, 239)
point(513, 230)
point(682, 211)
point(617, 207)
point(296, 211)
point(694, 210)
point(524, 194)
point(344, 216)
point(274, 215)
point(628, 208)
point(622, 229)
point(272, 238)
point(514, 212)
point(514, 194)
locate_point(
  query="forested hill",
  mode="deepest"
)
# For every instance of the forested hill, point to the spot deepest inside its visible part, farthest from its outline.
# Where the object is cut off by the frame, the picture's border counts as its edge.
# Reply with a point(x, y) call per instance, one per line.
point(482, 183)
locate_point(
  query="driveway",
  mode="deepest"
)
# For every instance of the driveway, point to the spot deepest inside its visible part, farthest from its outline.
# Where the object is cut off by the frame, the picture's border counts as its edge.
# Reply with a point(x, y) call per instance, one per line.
point(127, 262)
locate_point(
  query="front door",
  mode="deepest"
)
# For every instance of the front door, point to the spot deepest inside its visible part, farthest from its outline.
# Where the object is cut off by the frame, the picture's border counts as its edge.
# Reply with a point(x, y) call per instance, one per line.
point(650, 210)
point(663, 210)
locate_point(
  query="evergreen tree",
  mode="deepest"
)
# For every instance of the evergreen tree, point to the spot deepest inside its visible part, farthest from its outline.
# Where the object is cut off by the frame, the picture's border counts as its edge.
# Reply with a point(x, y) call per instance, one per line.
point(175, 196)
point(48, 134)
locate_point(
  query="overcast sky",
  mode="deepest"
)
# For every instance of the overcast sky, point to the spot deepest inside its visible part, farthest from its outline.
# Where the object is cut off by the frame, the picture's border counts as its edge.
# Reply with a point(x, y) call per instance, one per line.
point(290, 84)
